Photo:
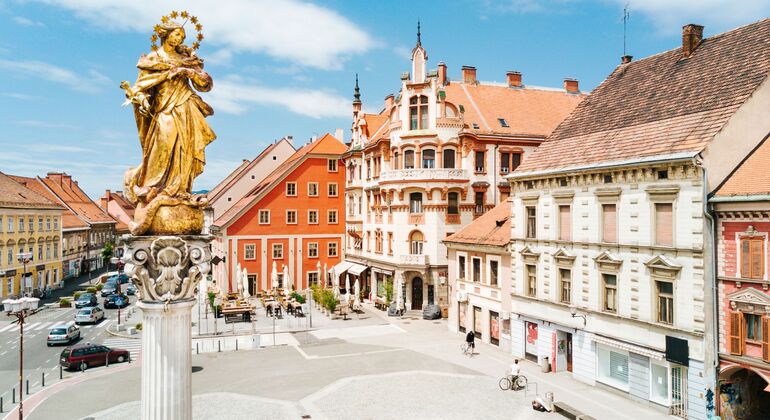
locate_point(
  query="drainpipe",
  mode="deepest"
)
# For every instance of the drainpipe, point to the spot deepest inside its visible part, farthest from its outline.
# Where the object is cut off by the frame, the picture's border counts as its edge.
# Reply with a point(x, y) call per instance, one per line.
point(494, 177)
point(707, 211)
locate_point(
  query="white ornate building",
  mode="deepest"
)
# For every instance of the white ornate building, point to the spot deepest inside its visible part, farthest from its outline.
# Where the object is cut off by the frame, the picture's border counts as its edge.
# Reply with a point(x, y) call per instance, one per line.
point(430, 163)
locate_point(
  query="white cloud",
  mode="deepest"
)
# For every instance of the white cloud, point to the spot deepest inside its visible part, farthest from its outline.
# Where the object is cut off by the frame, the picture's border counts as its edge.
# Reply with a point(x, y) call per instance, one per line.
point(234, 96)
point(292, 30)
point(57, 148)
point(27, 22)
point(44, 124)
point(92, 82)
point(402, 51)
point(19, 96)
point(716, 15)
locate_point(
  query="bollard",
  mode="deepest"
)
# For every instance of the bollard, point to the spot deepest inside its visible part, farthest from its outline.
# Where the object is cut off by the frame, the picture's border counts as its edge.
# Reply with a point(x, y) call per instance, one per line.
point(43, 379)
point(27, 386)
point(61, 372)
point(236, 344)
point(14, 395)
point(219, 343)
point(1, 405)
point(107, 360)
point(196, 348)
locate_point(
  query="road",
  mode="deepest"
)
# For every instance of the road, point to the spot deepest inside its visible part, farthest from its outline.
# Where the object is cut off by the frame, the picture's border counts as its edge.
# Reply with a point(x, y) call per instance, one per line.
point(38, 357)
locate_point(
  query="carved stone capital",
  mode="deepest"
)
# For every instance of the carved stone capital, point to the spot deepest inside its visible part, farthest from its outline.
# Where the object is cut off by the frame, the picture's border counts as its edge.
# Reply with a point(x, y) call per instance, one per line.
point(167, 268)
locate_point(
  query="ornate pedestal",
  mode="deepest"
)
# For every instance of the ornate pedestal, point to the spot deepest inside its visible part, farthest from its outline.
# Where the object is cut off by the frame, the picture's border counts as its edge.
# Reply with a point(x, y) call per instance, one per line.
point(166, 270)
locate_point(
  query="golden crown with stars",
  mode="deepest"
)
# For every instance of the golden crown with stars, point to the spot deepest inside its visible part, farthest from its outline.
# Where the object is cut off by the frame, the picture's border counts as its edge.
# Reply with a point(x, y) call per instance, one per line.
point(170, 18)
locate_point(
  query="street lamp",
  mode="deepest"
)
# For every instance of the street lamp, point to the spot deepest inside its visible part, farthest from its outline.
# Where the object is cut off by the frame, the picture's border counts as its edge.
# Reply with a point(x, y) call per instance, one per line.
point(573, 312)
point(119, 264)
point(24, 258)
point(20, 308)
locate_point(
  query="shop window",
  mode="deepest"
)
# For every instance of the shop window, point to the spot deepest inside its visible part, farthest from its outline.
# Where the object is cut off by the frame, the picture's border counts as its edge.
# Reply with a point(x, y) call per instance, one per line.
point(665, 292)
point(659, 384)
point(565, 223)
point(449, 158)
point(531, 272)
point(610, 293)
point(494, 328)
point(531, 221)
point(565, 280)
point(612, 367)
point(461, 267)
point(609, 223)
point(752, 257)
point(664, 233)
point(428, 159)
point(476, 270)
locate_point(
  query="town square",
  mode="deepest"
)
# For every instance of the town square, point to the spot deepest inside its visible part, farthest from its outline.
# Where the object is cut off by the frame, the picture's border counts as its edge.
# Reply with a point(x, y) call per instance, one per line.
point(302, 209)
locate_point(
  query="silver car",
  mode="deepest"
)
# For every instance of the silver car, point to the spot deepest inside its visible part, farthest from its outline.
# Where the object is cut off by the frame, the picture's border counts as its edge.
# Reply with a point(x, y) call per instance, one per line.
point(92, 315)
point(63, 333)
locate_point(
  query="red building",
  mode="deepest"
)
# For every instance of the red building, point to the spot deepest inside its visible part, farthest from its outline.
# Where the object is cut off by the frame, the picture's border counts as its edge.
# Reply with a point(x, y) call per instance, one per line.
point(742, 207)
point(293, 218)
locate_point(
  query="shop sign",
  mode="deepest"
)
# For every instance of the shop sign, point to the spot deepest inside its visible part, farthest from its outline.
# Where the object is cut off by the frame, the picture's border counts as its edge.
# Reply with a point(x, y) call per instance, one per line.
point(677, 351)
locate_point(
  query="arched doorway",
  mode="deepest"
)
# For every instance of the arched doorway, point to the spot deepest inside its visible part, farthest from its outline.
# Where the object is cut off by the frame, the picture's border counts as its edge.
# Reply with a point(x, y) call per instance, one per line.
point(742, 395)
point(417, 293)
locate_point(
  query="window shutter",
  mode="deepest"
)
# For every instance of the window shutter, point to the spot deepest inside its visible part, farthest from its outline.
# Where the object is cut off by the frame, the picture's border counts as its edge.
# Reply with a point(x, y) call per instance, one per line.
point(664, 234)
point(745, 258)
point(765, 339)
point(757, 271)
point(736, 334)
point(610, 223)
point(565, 223)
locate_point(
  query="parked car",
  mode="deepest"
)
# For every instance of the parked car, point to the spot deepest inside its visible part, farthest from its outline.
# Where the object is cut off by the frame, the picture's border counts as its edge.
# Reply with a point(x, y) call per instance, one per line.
point(86, 299)
point(109, 288)
point(116, 301)
point(122, 277)
point(92, 315)
point(131, 289)
point(63, 333)
point(84, 356)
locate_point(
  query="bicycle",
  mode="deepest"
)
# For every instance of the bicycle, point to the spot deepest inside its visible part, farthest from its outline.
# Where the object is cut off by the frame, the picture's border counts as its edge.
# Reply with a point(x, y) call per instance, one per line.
point(466, 349)
point(507, 384)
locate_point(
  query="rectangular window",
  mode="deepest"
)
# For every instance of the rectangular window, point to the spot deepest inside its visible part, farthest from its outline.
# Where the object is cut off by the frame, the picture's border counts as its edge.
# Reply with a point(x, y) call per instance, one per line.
point(31, 224)
point(250, 251)
point(609, 223)
point(332, 165)
point(331, 189)
point(40, 252)
point(56, 250)
point(449, 158)
point(565, 223)
point(461, 267)
point(409, 159)
point(478, 200)
point(753, 327)
point(277, 251)
point(664, 229)
point(291, 189)
point(332, 218)
point(752, 257)
point(10, 224)
point(565, 279)
point(312, 250)
point(493, 272)
point(312, 217)
point(428, 159)
point(264, 217)
point(312, 278)
point(48, 223)
point(21, 224)
point(390, 243)
point(531, 221)
point(479, 161)
point(453, 203)
point(312, 189)
point(515, 161)
point(505, 162)
point(665, 291)
point(55, 223)
point(332, 249)
point(291, 217)
point(531, 272)
point(610, 295)
point(613, 367)
point(415, 203)
point(476, 269)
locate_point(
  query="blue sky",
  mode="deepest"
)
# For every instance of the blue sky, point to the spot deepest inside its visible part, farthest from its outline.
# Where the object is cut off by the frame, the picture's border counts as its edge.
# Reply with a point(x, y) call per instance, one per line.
point(287, 67)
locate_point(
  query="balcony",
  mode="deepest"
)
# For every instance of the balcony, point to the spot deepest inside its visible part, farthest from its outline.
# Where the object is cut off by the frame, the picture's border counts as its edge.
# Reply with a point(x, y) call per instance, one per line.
point(412, 175)
point(414, 259)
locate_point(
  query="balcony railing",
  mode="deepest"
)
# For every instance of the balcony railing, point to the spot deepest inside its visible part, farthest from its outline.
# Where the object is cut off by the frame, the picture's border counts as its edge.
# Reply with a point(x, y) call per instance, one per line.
point(414, 259)
point(421, 174)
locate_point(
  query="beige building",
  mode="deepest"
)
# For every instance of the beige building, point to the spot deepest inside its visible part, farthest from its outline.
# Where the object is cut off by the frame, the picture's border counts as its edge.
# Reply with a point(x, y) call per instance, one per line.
point(30, 225)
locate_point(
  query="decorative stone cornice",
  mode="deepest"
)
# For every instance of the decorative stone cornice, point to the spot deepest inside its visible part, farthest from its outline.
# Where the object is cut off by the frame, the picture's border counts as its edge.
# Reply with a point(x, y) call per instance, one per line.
point(608, 261)
point(529, 255)
point(563, 257)
point(749, 300)
point(662, 266)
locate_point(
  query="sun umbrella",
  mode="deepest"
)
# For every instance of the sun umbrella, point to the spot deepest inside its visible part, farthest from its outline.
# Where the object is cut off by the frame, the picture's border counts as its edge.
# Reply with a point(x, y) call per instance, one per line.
point(286, 280)
point(245, 282)
point(274, 276)
point(347, 284)
point(238, 283)
point(357, 288)
point(320, 273)
point(326, 276)
point(399, 285)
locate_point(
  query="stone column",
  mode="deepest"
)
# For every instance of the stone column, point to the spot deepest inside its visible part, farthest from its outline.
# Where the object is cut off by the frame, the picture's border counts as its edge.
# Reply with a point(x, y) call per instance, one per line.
point(166, 270)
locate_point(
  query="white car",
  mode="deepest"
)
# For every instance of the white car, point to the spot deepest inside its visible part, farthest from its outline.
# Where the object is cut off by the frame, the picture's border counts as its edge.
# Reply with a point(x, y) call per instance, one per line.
point(63, 333)
point(92, 315)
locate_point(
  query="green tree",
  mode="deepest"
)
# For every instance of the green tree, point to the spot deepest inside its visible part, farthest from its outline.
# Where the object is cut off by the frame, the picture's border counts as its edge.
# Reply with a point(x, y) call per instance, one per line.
point(107, 253)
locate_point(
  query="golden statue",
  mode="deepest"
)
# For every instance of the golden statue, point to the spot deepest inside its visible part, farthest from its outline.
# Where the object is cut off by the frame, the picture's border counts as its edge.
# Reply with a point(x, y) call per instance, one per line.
point(171, 120)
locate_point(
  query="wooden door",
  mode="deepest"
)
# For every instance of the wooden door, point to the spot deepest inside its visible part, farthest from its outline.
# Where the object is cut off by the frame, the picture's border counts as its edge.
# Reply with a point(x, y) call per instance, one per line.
point(417, 293)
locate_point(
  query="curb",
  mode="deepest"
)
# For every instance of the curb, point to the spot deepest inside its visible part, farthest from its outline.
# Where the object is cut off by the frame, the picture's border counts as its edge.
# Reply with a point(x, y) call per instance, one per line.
point(117, 334)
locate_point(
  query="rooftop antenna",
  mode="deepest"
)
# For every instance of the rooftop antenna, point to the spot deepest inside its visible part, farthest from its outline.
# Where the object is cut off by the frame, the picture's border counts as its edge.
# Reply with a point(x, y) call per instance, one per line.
point(626, 16)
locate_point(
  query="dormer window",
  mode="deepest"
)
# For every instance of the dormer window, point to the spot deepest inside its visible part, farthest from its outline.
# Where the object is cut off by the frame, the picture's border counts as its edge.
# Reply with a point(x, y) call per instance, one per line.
point(475, 126)
point(502, 122)
point(418, 112)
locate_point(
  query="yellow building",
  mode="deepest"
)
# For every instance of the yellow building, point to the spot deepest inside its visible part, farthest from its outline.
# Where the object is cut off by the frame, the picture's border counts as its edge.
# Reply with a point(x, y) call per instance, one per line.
point(30, 225)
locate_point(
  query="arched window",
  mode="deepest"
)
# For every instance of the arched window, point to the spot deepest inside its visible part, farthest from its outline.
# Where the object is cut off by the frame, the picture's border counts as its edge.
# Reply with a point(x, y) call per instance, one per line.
point(415, 243)
point(418, 113)
point(450, 111)
point(428, 158)
point(453, 203)
point(415, 202)
point(449, 158)
point(409, 159)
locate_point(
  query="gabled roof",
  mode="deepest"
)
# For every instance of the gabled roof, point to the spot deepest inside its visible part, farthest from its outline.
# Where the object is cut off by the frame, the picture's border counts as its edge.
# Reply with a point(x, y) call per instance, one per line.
point(118, 197)
point(73, 197)
point(69, 219)
point(17, 195)
point(660, 105)
point(527, 111)
point(492, 228)
point(327, 145)
point(752, 177)
point(373, 123)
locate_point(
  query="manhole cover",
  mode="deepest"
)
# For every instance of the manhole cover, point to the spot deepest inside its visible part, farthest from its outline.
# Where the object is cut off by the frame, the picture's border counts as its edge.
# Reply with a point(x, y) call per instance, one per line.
point(405, 322)
point(436, 322)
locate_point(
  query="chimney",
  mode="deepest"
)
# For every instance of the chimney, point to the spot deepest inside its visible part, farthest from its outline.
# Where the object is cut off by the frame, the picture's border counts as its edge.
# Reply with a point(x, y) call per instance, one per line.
point(290, 139)
point(513, 78)
point(67, 180)
point(389, 100)
point(339, 135)
point(626, 59)
point(442, 74)
point(692, 35)
point(571, 85)
point(469, 74)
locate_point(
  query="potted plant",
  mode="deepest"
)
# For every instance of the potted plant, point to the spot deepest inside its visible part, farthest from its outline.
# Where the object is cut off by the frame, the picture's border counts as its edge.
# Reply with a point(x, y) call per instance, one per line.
point(65, 303)
point(76, 295)
point(91, 290)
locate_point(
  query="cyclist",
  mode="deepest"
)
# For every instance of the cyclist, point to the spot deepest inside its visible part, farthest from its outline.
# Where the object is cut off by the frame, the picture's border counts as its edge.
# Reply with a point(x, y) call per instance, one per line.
point(470, 338)
point(515, 370)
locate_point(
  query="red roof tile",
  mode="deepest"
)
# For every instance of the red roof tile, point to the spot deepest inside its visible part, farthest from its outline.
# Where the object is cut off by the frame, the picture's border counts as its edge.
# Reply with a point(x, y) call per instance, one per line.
point(69, 193)
point(18, 195)
point(492, 228)
point(661, 105)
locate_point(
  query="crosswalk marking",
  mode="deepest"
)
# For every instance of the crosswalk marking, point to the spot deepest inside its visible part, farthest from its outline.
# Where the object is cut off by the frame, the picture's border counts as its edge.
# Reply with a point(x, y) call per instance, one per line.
point(42, 326)
point(134, 346)
point(8, 327)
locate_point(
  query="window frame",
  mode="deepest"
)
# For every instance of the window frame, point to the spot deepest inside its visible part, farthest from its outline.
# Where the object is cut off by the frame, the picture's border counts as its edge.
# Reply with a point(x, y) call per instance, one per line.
point(418, 113)
point(462, 266)
point(605, 288)
point(494, 272)
point(476, 271)
point(562, 237)
point(288, 192)
point(656, 239)
point(310, 247)
point(530, 284)
point(246, 248)
point(336, 248)
point(279, 248)
point(483, 168)
point(531, 222)
point(262, 212)
point(329, 214)
point(750, 240)
point(329, 186)
point(424, 162)
point(562, 284)
point(669, 297)
point(413, 207)
point(603, 232)
point(444, 156)
point(294, 212)
point(332, 165)
point(309, 185)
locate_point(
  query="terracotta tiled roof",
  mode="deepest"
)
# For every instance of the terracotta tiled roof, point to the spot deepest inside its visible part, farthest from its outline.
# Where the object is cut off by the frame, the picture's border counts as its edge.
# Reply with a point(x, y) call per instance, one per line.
point(68, 192)
point(492, 228)
point(373, 123)
point(752, 177)
point(661, 105)
point(69, 219)
point(527, 111)
point(326, 145)
point(17, 195)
